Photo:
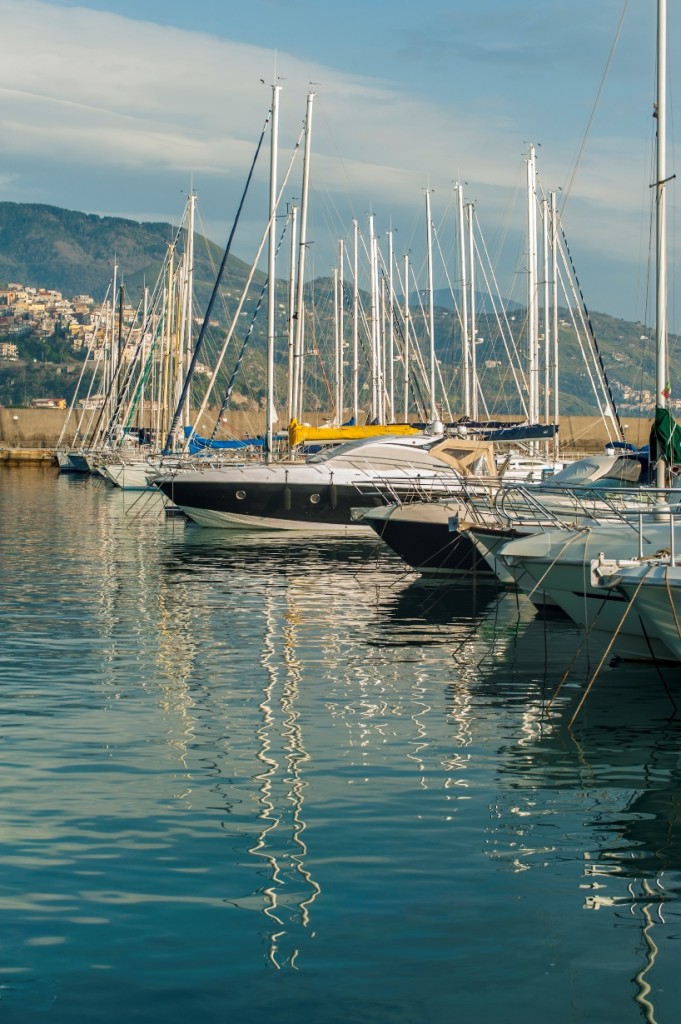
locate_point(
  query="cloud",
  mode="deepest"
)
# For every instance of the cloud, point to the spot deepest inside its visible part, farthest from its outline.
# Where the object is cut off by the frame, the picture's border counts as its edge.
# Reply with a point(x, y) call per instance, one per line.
point(99, 91)
point(109, 114)
point(108, 90)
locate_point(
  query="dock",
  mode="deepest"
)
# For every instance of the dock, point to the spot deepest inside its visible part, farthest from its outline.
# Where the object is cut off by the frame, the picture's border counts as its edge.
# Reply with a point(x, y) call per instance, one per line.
point(23, 456)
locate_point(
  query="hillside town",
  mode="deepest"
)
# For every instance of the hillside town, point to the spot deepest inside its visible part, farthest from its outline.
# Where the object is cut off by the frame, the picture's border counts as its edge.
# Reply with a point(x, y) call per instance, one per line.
point(44, 312)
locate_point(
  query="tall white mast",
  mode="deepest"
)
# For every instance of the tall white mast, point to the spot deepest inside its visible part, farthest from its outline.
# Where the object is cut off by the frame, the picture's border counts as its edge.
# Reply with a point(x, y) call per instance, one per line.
point(271, 272)
point(355, 321)
point(470, 210)
point(465, 348)
point(337, 355)
point(189, 298)
point(375, 331)
point(431, 310)
point(407, 335)
point(112, 362)
point(292, 309)
point(341, 328)
point(300, 312)
point(532, 305)
point(382, 414)
point(662, 393)
point(473, 331)
point(554, 306)
point(546, 315)
point(391, 329)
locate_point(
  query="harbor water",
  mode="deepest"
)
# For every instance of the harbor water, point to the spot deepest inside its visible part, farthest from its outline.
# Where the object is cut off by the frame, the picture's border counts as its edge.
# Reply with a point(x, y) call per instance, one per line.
point(256, 779)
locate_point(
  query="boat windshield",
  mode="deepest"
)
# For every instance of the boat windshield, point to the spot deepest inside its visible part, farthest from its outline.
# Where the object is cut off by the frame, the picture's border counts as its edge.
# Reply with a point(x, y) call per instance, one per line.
point(362, 446)
point(600, 471)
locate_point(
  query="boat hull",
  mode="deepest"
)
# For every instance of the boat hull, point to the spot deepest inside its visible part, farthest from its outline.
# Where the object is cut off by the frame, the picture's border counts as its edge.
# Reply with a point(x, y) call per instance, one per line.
point(213, 519)
point(656, 602)
point(421, 535)
point(314, 506)
point(560, 566)
point(130, 476)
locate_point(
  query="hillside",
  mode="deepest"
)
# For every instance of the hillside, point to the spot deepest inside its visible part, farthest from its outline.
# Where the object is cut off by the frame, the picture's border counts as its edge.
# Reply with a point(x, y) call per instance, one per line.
point(47, 247)
point(71, 252)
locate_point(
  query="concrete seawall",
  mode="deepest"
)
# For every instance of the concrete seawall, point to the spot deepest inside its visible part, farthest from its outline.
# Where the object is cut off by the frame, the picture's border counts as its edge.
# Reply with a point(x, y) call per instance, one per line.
point(39, 429)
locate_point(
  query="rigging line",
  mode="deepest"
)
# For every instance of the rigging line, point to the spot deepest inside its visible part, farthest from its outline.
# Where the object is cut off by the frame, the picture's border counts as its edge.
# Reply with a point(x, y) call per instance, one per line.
point(322, 368)
point(90, 350)
point(244, 294)
point(592, 335)
point(114, 385)
point(124, 392)
point(606, 653)
point(568, 188)
point(247, 337)
point(504, 328)
point(211, 301)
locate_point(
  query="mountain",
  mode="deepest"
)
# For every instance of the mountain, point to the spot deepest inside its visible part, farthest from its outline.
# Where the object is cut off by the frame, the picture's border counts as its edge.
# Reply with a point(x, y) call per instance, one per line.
point(73, 253)
point(48, 247)
point(442, 297)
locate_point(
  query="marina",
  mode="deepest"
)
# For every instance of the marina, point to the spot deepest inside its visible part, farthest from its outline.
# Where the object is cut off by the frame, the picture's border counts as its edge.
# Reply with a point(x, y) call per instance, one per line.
point(340, 614)
point(260, 776)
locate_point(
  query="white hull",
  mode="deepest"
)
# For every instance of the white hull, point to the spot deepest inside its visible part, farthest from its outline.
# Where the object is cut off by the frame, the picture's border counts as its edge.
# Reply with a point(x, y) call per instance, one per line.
point(559, 563)
point(489, 546)
point(130, 476)
point(213, 519)
point(655, 597)
point(64, 462)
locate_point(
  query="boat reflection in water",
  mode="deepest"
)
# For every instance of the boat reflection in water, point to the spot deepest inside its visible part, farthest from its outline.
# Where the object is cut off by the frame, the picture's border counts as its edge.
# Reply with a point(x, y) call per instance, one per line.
point(286, 776)
point(604, 793)
point(325, 619)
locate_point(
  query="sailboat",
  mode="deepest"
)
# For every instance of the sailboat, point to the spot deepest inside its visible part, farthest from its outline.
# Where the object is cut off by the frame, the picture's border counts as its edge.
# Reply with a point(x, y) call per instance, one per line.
point(568, 565)
point(432, 537)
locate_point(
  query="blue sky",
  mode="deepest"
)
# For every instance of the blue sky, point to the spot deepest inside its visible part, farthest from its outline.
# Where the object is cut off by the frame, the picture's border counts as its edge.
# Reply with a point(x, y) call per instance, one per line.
point(120, 107)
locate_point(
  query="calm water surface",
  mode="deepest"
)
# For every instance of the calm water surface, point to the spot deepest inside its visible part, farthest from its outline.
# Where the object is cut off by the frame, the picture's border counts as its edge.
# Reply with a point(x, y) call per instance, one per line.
point(261, 780)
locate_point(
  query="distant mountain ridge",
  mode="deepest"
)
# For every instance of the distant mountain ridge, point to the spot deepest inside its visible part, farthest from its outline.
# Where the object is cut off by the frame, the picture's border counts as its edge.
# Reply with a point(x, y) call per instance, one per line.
point(443, 298)
point(47, 247)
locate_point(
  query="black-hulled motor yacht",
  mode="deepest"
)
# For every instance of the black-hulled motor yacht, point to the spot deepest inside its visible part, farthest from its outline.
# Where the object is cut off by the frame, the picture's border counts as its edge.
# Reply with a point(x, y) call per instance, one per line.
point(320, 493)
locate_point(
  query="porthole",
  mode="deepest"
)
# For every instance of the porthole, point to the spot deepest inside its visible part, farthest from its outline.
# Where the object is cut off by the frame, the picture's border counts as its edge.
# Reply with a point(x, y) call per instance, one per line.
point(241, 495)
point(315, 499)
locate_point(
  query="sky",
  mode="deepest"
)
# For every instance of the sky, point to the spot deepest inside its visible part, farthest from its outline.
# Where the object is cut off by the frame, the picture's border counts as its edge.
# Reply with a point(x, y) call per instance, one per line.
point(120, 107)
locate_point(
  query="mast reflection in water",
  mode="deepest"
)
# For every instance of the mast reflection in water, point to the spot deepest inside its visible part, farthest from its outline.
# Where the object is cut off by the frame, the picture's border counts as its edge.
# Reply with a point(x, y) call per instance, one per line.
point(256, 778)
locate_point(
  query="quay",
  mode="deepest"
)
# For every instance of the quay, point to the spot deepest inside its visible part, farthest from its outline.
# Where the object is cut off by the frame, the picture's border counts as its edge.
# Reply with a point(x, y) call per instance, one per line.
point(31, 435)
point(22, 456)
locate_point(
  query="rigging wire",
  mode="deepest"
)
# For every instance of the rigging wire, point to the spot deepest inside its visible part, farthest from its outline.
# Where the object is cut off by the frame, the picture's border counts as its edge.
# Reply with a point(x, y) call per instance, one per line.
point(216, 286)
point(247, 338)
point(568, 187)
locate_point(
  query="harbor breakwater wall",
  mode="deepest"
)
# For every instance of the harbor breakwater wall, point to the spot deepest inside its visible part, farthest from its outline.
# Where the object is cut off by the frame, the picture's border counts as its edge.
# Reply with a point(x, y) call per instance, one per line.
point(24, 428)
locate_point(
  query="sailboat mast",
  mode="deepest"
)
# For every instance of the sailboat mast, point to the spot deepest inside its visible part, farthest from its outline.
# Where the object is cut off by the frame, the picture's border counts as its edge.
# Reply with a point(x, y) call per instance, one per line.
point(407, 336)
point(546, 313)
point(189, 299)
point(431, 309)
point(292, 308)
point(355, 320)
point(532, 297)
point(391, 328)
point(662, 394)
point(271, 272)
point(341, 328)
point(554, 313)
point(470, 209)
point(465, 350)
point(300, 283)
point(337, 354)
point(375, 340)
point(111, 363)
